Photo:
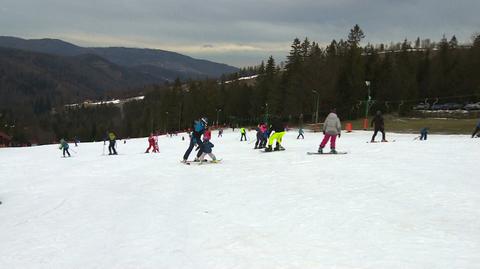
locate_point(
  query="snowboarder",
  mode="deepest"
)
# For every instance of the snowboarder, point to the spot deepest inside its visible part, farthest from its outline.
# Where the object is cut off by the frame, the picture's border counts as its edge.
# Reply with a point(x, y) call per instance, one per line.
point(111, 145)
point(151, 143)
point(300, 133)
point(259, 136)
point(423, 133)
point(244, 134)
point(379, 125)
point(64, 145)
point(477, 129)
point(331, 129)
point(195, 139)
point(207, 150)
point(279, 131)
point(265, 135)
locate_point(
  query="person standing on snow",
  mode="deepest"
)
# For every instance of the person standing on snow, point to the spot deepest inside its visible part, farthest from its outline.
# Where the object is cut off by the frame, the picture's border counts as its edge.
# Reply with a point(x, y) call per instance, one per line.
point(64, 145)
point(379, 125)
point(220, 132)
point(151, 143)
point(196, 136)
point(477, 129)
point(265, 135)
point(111, 145)
point(244, 134)
point(300, 133)
point(331, 129)
point(259, 136)
point(279, 131)
point(423, 133)
point(206, 137)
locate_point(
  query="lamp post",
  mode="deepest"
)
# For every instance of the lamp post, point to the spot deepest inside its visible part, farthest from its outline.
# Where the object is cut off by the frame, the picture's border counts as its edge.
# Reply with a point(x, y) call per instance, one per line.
point(367, 106)
point(218, 114)
point(318, 101)
point(266, 114)
point(166, 121)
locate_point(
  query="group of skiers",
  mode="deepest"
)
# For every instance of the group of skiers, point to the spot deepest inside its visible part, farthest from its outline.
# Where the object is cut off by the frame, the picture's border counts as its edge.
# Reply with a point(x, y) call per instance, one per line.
point(200, 136)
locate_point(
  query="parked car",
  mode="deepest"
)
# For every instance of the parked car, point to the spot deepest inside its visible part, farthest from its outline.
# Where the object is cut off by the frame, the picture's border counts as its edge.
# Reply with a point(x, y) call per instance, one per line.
point(437, 107)
point(421, 106)
point(452, 106)
point(474, 106)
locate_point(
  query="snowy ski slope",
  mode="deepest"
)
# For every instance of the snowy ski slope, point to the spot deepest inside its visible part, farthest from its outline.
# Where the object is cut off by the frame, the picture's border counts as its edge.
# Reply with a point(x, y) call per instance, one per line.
point(408, 204)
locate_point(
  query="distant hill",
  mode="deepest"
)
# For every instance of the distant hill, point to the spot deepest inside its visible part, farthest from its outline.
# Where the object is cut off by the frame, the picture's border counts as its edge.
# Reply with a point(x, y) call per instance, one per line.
point(28, 76)
point(158, 64)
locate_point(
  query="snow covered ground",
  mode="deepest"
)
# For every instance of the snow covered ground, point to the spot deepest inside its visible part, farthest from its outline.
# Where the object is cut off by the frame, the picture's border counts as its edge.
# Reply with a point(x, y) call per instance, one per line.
point(408, 204)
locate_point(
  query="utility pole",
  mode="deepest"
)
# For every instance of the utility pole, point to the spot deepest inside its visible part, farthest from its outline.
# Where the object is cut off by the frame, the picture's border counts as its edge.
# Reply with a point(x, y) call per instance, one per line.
point(166, 121)
point(266, 114)
point(317, 103)
point(367, 106)
point(218, 114)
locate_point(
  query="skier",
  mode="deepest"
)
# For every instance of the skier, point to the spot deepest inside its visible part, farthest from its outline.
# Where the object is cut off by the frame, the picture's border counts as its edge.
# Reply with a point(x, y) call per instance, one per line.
point(423, 133)
point(300, 133)
point(76, 141)
point(477, 129)
point(379, 124)
point(195, 139)
point(331, 129)
point(244, 134)
point(156, 148)
point(220, 132)
point(111, 145)
point(259, 136)
point(207, 150)
point(265, 135)
point(206, 137)
point(64, 145)
point(151, 143)
point(279, 131)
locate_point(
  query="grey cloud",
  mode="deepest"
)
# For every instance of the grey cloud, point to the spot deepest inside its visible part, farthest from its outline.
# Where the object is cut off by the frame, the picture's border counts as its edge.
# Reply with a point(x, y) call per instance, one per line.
point(248, 22)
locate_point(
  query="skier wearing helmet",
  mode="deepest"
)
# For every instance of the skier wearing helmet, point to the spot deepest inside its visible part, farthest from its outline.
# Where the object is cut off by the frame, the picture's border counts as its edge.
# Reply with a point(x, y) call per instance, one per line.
point(198, 129)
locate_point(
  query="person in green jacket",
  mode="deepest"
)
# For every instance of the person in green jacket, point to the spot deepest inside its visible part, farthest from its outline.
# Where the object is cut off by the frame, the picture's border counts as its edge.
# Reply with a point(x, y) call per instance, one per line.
point(244, 134)
point(64, 145)
point(111, 145)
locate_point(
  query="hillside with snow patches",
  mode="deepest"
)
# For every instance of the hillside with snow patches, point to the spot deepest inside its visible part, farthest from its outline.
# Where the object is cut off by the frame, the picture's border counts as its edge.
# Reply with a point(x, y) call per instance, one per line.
point(405, 204)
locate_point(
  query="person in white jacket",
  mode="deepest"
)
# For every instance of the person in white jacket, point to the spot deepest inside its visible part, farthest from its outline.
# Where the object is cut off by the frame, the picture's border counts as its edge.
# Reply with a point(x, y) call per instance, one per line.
point(331, 129)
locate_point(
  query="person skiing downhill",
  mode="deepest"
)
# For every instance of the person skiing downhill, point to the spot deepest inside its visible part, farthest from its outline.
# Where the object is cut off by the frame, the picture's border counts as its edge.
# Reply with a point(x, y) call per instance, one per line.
point(244, 134)
point(64, 145)
point(111, 145)
point(206, 137)
point(195, 139)
point(300, 133)
point(279, 131)
point(477, 129)
point(331, 129)
point(151, 144)
point(379, 125)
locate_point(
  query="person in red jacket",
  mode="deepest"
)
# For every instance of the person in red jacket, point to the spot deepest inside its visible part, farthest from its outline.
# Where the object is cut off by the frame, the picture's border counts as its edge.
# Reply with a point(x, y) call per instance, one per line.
point(151, 143)
point(207, 135)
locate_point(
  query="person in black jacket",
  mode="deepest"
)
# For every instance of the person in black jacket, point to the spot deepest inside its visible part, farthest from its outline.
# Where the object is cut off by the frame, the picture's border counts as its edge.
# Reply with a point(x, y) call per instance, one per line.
point(278, 129)
point(379, 125)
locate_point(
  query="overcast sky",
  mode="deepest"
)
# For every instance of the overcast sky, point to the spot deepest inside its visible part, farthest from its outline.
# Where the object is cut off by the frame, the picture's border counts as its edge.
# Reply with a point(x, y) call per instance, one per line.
point(240, 32)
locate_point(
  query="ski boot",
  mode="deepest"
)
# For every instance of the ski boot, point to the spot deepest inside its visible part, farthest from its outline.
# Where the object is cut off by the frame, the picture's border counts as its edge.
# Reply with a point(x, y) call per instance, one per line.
point(384, 140)
point(333, 151)
point(269, 148)
point(320, 150)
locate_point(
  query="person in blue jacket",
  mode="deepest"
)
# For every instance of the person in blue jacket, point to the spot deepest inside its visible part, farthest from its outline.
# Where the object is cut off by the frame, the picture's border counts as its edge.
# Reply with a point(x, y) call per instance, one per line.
point(64, 145)
point(423, 133)
point(207, 150)
point(477, 129)
point(198, 129)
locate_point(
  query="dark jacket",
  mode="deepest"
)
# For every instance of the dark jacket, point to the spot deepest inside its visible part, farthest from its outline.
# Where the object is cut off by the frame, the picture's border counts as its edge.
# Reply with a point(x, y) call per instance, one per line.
point(378, 122)
point(207, 147)
point(277, 127)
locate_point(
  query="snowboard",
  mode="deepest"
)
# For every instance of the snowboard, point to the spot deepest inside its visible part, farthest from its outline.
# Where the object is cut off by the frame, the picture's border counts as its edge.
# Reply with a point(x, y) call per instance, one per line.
point(370, 142)
point(327, 153)
point(272, 151)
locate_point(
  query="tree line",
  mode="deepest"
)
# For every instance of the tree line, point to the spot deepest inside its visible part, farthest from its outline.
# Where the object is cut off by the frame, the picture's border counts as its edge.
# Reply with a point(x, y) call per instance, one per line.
point(400, 75)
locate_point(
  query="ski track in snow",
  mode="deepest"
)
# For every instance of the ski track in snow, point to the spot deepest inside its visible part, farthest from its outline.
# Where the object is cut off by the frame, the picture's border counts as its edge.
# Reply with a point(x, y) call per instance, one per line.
point(408, 204)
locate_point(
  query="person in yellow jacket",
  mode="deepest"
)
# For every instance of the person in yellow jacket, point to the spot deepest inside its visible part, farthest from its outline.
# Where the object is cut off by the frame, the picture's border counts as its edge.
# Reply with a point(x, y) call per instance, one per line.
point(111, 145)
point(244, 134)
point(278, 130)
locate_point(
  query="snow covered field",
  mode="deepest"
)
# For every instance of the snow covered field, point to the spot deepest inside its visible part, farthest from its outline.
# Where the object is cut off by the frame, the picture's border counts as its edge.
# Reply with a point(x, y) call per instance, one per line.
point(408, 204)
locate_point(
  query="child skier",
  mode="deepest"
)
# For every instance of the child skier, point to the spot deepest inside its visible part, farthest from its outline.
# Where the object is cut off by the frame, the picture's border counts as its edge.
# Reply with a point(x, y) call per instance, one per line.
point(64, 145)
point(111, 145)
point(206, 137)
point(220, 132)
point(379, 124)
point(477, 129)
point(331, 129)
point(423, 133)
point(151, 143)
point(279, 131)
point(244, 134)
point(300, 133)
point(207, 150)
